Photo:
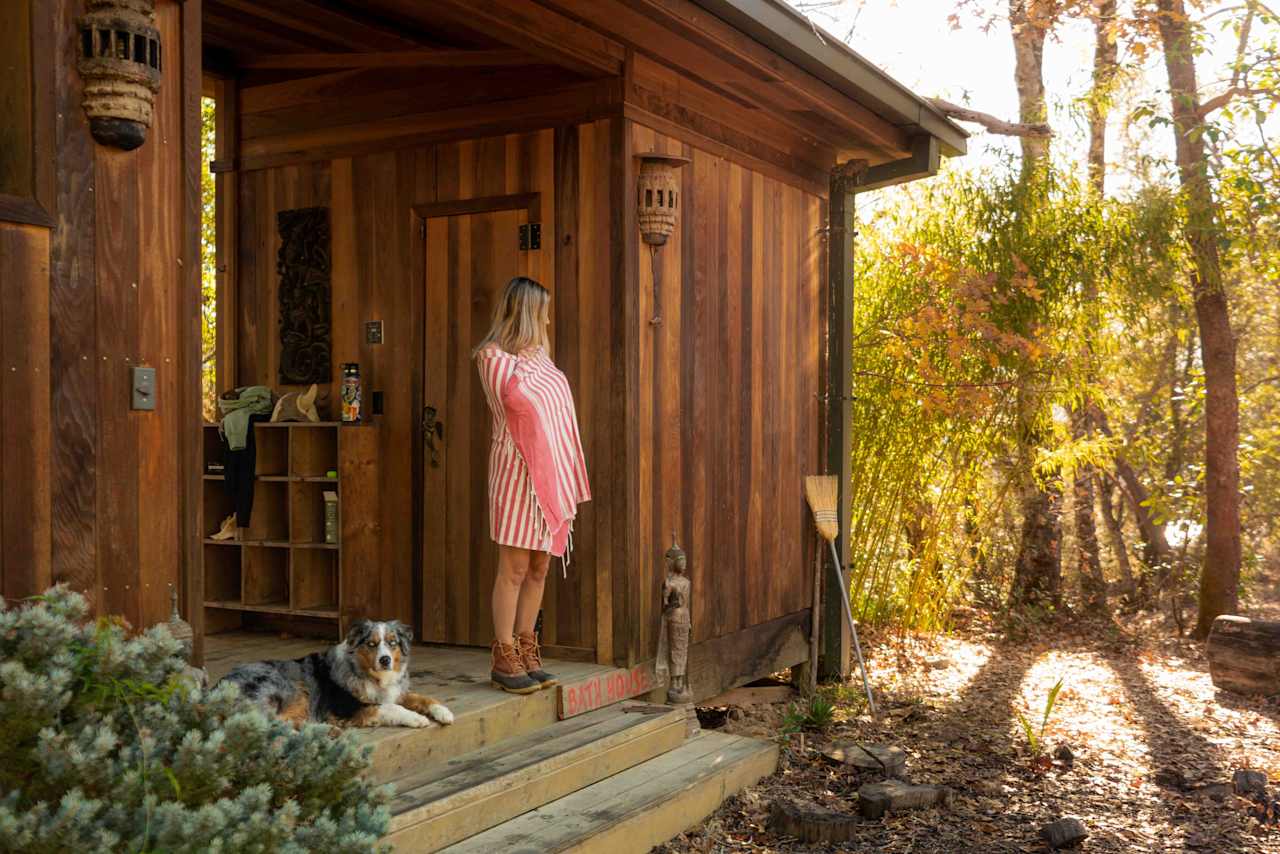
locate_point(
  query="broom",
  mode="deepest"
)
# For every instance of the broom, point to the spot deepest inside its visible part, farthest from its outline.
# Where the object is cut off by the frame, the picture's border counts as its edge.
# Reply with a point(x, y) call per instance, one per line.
point(822, 491)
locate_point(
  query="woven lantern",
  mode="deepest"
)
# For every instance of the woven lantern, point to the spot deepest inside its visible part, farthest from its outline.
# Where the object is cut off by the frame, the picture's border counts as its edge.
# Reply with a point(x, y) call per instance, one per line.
point(658, 210)
point(120, 66)
point(658, 195)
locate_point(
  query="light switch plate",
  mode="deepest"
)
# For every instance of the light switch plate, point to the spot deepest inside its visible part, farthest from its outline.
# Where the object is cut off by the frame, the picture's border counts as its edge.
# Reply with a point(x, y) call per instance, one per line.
point(373, 332)
point(144, 388)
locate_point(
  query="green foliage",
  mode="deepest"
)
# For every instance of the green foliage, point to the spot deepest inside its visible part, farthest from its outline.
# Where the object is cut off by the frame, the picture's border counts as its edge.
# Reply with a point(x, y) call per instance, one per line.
point(105, 745)
point(208, 263)
point(1035, 737)
point(986, 304)
point(814, 716)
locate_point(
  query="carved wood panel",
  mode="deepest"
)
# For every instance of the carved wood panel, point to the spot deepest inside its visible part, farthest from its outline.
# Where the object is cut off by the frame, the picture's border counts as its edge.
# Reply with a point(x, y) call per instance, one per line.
point(304, 264)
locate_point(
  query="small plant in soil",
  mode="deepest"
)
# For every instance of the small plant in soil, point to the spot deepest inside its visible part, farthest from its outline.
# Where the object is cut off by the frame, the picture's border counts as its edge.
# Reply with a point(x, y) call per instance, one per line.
point(1040, 761)
point(815, 716)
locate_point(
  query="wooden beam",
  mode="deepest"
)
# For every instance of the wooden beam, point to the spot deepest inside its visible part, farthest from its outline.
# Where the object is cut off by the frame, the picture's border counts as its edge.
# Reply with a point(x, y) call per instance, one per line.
point(527, 26)
point(226, 94)
point(391, 59)
point(583, 102)
point(322, 21)
point(191, 435)
point(836, 642)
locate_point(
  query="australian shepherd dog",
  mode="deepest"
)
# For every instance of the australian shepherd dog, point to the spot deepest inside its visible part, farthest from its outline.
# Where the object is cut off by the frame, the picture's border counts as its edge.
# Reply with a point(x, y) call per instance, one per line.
point(361, 682)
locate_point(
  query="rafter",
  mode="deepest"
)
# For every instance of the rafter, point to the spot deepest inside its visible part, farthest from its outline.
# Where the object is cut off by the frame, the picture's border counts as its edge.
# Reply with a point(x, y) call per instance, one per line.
point(392, 59)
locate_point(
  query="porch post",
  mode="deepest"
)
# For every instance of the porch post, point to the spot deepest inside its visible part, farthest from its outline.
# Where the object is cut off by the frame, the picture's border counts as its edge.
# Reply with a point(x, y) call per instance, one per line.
point(833, 658)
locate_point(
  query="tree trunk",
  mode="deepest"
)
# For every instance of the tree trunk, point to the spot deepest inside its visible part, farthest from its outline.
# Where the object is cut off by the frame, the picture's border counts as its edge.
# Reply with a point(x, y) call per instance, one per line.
point(1037, 575)
point(1093, 584)
point(1156, 552)
point(1113, 521)
point(1105, 57)
point(1038, 569)
point(1220, 573)
point(1028, 25)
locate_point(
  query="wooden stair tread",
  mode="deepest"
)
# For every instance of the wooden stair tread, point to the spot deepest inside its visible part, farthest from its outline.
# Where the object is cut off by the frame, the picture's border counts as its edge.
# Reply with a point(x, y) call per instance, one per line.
point(472, 769)
point(638, 808)
point(471, 793)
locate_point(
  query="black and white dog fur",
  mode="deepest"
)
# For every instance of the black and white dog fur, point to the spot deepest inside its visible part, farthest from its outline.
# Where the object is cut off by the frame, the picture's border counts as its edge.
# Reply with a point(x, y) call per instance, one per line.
point(361, 682)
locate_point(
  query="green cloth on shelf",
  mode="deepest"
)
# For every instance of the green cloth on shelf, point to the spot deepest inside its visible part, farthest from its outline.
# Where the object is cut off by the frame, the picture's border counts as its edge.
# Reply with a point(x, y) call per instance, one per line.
point(250, 400)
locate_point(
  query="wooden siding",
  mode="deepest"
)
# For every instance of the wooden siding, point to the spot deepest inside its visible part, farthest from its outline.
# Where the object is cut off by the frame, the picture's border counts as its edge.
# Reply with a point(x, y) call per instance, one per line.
point(728, 395)
point(93, 489)
point(24, 431)
point(375, 247)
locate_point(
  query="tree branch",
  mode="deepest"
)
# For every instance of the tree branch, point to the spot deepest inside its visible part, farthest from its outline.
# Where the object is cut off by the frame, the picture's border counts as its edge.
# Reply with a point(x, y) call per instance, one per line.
point(990, 122)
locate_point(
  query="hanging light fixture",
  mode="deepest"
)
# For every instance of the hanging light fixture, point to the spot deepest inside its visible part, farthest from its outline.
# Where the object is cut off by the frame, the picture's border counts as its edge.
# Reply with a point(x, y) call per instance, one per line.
point(658, 210)
point(120, 65)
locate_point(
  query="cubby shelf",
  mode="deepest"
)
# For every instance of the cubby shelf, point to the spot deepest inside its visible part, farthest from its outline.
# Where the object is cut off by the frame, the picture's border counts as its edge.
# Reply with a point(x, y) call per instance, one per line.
point(282, 567)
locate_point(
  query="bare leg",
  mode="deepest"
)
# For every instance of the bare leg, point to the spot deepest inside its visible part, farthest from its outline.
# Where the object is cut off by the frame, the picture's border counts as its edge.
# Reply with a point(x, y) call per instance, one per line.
point(531, 592)
point(513, 569)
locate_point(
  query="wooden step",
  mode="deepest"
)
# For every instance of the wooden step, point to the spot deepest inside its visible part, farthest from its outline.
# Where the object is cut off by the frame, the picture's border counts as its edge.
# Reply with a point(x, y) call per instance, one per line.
point(471, 793)
point(483, 715)
point(638, 808)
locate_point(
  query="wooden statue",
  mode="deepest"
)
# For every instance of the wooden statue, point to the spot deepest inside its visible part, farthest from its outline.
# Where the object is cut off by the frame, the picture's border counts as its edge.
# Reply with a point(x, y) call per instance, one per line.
point(673, 639)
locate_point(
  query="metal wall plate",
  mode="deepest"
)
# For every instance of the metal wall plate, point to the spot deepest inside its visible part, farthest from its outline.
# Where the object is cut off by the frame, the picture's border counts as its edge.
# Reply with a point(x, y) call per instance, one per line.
point(144, 388)
point(373, 332)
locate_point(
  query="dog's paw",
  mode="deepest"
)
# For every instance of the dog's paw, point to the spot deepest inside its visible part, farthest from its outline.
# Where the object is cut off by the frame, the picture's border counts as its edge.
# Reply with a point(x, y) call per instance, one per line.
point(419, 721)
point(440, 714)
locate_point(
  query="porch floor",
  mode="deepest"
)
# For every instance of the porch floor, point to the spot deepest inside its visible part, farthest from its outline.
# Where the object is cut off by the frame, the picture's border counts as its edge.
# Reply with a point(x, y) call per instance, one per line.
point(456, 676)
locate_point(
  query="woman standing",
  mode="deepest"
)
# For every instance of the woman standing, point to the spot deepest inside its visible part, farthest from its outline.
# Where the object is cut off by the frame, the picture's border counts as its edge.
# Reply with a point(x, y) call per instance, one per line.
point(537, 477)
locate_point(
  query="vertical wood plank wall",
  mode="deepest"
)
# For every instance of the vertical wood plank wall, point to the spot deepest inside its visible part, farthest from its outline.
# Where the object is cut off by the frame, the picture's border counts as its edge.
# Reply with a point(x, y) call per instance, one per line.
point(91, 488)
point(24, 431)
point(728, 402)
point(374, 240)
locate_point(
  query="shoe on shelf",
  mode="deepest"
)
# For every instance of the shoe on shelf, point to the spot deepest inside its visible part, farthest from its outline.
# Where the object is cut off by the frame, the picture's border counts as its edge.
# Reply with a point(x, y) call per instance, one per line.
point(228, 531)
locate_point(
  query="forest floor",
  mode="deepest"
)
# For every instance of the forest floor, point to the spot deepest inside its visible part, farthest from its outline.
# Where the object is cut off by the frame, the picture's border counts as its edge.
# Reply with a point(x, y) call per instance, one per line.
point(1154, 743)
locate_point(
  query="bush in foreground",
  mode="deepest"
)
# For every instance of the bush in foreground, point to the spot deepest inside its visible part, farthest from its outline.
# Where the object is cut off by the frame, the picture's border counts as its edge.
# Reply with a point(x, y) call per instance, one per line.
point(105, 745)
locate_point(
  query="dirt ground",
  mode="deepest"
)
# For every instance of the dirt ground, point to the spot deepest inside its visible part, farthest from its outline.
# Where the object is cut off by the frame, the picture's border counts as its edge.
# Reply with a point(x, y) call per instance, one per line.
point(1153, 744)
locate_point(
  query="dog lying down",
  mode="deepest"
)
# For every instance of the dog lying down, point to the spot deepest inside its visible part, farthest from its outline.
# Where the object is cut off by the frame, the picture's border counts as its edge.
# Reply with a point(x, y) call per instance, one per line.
point(361, 682)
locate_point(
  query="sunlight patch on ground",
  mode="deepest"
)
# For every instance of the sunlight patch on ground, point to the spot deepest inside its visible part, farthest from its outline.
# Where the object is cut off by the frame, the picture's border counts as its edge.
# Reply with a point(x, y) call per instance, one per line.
point(950, 664)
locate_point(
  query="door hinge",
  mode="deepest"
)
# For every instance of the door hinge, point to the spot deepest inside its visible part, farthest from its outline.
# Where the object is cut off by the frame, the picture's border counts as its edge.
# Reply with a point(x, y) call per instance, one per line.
point(531, 236)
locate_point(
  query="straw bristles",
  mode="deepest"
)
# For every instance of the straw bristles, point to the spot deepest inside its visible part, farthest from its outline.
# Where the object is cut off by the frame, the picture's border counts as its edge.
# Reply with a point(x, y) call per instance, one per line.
point(822, 492)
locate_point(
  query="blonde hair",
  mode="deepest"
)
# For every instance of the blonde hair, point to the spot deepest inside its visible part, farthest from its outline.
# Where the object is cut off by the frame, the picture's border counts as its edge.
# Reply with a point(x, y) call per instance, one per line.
point(520, 317)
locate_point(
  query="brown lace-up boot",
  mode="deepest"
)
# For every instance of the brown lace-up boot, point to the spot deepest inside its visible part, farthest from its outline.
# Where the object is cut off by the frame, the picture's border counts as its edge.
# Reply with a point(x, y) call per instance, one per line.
point(508, 672)
point(531, 657)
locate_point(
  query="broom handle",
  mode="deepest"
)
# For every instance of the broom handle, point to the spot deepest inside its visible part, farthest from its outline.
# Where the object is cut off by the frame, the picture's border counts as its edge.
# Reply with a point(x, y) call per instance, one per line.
point(853, 629)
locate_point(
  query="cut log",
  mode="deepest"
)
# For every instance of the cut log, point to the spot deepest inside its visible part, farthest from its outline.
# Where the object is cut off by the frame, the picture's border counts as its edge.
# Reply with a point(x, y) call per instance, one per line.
point(869, 758)
point(1244, 655)
point(811, 823)
point(875, 799)
point(1064, 833)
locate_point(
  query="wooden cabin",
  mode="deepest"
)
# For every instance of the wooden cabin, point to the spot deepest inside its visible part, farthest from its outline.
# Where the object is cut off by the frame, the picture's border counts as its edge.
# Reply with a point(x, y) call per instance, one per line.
point(449, 145)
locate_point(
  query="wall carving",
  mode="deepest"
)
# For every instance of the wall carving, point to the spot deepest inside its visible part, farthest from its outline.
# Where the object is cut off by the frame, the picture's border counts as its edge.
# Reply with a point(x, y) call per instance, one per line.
point(305, 309)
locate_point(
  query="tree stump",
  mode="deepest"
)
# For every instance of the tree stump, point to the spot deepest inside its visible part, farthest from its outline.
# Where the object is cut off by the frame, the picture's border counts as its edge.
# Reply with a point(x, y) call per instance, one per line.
point(876, 799)
point(811, 823)
point(876, 758)
point(1244, 655)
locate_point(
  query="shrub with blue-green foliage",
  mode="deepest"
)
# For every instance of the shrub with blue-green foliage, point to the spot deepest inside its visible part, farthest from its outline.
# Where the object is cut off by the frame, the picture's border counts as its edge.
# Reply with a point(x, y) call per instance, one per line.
point(106, 745)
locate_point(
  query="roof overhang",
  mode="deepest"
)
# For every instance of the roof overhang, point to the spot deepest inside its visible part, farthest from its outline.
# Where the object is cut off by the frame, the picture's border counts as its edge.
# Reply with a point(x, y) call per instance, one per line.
point(791, 35)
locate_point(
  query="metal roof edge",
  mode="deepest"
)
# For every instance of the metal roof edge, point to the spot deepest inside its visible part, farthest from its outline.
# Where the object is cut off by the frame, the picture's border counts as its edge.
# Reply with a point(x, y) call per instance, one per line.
point(787, 32)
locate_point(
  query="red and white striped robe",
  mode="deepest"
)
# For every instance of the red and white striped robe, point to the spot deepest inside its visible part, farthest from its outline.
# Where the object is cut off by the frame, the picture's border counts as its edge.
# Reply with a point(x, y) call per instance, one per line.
point(537, 475)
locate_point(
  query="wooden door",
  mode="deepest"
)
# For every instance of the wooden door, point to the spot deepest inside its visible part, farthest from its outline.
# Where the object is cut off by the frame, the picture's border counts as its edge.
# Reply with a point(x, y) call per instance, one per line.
point(469, 258)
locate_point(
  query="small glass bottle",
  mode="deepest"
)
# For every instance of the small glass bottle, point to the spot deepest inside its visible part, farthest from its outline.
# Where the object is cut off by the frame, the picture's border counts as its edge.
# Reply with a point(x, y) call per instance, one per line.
point(350, 392)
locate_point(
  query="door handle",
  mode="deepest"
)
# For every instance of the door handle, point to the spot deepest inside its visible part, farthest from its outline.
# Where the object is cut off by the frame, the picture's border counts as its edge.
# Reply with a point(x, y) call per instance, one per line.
point(432, 429)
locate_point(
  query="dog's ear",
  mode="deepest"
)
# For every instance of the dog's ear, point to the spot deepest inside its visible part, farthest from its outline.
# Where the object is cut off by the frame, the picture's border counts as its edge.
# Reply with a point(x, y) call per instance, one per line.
point(359, 632)
point(404, 633)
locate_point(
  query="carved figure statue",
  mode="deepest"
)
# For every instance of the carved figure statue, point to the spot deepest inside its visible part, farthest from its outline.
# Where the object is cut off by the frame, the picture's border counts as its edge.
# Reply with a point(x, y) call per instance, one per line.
point(673, 639)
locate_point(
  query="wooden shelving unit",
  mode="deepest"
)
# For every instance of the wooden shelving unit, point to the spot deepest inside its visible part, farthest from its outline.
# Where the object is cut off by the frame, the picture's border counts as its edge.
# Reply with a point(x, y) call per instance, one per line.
point(281, 574)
